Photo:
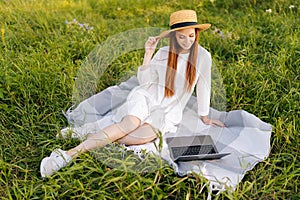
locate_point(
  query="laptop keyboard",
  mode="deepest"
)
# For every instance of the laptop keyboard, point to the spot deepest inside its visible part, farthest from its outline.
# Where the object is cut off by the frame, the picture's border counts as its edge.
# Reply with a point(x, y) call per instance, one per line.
point(193, 150)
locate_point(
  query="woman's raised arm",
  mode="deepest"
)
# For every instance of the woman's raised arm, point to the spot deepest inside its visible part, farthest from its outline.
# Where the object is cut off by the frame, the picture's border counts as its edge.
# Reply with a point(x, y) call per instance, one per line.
point(150, 47)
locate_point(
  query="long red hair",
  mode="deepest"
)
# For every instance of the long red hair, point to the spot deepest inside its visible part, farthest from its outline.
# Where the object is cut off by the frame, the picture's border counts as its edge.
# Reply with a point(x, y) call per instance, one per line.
point(190, 74)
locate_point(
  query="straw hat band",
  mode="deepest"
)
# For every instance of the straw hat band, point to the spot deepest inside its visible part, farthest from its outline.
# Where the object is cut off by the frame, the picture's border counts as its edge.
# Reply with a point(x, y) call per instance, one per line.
point(183, 19)
point(183, 24)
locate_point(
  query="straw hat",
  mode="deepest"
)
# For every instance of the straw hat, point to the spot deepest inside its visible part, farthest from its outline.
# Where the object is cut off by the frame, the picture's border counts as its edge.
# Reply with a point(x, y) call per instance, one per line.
point(183, 19)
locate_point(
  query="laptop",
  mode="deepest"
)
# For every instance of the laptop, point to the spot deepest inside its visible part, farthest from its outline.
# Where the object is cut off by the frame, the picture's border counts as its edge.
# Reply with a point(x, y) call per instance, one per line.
point(189, 148)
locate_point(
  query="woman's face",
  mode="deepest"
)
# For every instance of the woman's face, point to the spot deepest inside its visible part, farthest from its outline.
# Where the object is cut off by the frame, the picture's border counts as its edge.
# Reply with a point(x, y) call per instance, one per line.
point(186, 38)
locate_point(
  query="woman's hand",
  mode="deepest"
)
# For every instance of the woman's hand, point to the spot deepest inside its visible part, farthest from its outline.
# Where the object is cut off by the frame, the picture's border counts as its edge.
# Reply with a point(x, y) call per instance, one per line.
point(208, 121)
point(151, 44)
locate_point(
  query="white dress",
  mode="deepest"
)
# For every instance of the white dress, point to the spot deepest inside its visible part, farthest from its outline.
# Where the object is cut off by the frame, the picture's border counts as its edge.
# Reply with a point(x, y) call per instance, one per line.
point(147, 101)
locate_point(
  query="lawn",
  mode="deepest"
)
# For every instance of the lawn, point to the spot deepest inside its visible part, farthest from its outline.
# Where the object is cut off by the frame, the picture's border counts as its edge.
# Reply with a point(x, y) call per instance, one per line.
point(254, 45)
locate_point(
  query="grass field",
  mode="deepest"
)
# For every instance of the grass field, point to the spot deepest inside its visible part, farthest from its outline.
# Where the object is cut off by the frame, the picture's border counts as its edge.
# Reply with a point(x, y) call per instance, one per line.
point(256, 51)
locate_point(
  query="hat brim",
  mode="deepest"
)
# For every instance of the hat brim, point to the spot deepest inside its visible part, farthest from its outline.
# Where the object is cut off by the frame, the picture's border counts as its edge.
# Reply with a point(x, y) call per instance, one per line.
point(200, 27)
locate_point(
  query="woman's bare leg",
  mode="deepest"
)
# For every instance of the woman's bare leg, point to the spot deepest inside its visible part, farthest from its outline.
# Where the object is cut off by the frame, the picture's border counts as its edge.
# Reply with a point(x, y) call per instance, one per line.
point(107, 135)
point(143, 134)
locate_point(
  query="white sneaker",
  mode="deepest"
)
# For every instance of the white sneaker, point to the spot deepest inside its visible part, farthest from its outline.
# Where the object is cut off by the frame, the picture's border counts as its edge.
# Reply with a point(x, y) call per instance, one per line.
point(57, 160)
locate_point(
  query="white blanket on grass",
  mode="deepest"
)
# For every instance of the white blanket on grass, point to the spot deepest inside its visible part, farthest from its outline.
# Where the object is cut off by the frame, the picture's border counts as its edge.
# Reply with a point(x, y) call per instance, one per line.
point(245, 136)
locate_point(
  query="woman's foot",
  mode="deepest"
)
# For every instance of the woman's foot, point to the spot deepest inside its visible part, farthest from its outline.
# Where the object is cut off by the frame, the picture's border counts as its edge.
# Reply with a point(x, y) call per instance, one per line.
point(57, 160)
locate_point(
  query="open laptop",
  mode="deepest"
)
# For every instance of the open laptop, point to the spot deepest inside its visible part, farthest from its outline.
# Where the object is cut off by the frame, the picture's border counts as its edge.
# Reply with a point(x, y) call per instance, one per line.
point(189, 148)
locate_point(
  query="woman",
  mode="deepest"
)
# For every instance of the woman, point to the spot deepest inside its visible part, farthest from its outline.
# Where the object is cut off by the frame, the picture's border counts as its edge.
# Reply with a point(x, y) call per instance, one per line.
point(166, 83)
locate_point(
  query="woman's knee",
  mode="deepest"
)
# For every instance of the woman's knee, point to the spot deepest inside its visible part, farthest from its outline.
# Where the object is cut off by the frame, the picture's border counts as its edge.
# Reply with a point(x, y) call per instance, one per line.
point(129, 123)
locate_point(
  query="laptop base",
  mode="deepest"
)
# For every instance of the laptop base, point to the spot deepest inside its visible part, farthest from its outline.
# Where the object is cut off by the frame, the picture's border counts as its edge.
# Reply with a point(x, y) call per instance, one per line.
point(200, 157)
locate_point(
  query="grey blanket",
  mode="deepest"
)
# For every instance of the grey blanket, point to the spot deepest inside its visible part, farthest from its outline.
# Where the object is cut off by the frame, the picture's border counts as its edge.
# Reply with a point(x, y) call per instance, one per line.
point(245, 136)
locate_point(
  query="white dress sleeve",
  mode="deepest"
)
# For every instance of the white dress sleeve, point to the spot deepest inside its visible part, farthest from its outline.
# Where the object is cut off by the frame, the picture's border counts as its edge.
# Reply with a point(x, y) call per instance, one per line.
point(203, 87)
point(143, 74)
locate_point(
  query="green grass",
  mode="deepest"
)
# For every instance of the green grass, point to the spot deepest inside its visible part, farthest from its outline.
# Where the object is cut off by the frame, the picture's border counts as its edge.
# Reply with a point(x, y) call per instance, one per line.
point(39, 59)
